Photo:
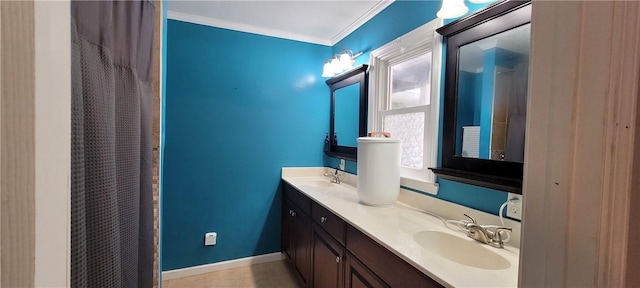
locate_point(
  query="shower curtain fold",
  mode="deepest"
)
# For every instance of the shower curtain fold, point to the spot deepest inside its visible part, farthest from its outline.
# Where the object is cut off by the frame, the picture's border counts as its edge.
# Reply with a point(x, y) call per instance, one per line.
point(111, 191)
point(514, 147)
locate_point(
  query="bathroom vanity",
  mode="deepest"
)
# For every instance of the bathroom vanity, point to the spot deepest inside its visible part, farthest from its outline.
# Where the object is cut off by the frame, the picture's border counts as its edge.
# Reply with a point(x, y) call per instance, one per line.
point(331, 240)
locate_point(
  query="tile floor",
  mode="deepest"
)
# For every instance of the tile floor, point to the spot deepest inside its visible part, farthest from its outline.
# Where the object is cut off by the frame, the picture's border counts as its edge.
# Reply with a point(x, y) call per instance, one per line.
point(270, 274)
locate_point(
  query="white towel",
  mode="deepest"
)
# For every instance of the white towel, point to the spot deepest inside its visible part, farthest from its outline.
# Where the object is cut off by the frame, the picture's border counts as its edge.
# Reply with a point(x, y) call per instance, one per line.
point(471, 141)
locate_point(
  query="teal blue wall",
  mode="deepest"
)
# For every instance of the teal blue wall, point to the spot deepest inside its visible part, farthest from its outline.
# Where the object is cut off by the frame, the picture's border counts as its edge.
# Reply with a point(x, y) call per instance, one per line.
point(469, 96)
point(347, 102)
point(238, 107)
point(396, 20)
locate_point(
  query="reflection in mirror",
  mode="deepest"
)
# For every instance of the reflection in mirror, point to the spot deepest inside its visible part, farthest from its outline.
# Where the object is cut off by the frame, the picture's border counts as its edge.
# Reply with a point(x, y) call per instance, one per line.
point(492, 96)
point(346, 115)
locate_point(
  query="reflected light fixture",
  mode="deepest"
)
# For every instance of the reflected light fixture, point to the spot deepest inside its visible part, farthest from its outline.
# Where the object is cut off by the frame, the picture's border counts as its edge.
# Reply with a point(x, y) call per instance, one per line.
point(339, 63)
point(480, 1)
point(452, 9)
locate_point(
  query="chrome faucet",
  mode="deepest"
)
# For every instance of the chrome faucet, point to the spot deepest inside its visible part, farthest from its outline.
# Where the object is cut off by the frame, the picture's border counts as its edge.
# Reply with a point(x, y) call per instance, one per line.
point(335, 176)
point(481, 234)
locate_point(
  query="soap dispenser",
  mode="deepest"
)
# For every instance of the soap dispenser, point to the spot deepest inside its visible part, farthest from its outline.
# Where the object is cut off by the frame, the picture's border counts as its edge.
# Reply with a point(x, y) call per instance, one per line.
point(326, 143)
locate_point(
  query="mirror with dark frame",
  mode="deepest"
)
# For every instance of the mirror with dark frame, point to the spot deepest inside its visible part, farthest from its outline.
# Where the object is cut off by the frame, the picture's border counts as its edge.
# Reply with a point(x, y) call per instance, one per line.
point(348, 112)
point(486, 84)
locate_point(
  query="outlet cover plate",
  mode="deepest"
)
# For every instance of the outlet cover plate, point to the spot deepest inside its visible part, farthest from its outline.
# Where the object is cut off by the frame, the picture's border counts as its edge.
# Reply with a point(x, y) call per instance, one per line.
point(210, 238)
point(514, 210)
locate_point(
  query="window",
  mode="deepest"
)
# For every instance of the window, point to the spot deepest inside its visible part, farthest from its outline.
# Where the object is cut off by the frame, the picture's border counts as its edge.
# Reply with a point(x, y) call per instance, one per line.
point(404, 100)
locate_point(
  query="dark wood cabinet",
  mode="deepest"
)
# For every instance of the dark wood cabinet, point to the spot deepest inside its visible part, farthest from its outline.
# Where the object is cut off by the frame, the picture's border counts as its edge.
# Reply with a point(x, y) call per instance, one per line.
point(302, 245)
point(357, 275)
point(287, 227)
point(383, 263)
point(297, 239)
point(327, 252)
point(328, 264)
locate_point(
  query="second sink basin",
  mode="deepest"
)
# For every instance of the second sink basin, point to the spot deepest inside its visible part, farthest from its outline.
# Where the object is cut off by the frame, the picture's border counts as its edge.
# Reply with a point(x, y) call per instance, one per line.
point(460, 250)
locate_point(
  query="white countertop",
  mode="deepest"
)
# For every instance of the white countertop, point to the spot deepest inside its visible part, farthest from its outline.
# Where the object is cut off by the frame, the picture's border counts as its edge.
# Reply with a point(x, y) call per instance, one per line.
point(394, 227)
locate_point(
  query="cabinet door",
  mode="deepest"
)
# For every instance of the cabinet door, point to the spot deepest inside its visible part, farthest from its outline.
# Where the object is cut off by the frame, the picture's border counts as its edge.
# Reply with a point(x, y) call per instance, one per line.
point(301, 237)
point(328, 267)
point(359, 276)
point(287, 227)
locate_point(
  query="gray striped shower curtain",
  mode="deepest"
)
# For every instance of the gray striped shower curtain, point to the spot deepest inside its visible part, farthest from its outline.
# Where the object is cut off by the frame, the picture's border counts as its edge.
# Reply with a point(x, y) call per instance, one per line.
point(111, 189)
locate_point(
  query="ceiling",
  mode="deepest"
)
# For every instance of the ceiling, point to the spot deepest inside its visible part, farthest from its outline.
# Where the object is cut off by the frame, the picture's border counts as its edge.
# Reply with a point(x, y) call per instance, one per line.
point(322, 22)
point(515, 40)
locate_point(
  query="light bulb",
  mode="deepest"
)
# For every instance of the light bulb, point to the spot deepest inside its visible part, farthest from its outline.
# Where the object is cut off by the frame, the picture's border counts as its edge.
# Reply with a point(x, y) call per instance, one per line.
point(345, 60)
point(327, 70)
point(335, 65)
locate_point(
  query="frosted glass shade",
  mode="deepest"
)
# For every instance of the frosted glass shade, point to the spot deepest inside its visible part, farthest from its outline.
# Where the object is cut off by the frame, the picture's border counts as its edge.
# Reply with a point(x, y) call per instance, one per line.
point(327, 70)
point(452, 9)
point(345, 61)
point(480, 1)
point(335, 63)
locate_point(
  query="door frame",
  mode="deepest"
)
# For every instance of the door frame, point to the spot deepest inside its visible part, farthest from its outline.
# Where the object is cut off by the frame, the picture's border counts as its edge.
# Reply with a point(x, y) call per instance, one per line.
point(582, 110)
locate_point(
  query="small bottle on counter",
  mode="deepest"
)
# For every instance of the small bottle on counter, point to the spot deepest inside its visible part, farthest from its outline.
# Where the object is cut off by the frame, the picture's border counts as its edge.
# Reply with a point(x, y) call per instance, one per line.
point(326, 143)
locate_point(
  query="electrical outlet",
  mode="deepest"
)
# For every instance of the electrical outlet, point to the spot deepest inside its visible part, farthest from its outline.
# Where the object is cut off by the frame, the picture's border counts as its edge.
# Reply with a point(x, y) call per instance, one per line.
point(514, 207)
point(342, 164)
point(210, 238)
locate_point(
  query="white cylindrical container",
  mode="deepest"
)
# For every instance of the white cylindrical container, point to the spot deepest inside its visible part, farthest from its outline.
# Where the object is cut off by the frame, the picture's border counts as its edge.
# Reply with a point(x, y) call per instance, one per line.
point(378, 170)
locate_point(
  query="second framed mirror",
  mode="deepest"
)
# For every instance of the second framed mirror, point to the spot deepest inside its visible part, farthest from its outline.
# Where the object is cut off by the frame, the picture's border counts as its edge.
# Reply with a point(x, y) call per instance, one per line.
point(348, 112)
point(485, 103)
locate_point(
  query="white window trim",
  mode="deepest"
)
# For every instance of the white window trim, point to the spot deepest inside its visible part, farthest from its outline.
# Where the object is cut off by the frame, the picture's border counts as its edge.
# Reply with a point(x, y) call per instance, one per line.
point(417, 42)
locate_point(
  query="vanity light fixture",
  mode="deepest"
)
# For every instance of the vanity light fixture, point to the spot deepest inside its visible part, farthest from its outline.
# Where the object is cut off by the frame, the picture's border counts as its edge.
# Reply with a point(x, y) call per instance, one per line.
point(480, 1)
point(327, 70)
point(452, 9)
point(339, 63)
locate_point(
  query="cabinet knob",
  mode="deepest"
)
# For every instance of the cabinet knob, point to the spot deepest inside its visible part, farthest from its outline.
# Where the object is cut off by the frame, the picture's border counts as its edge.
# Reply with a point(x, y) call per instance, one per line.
point(293, 213)
point(323, 219)
point(337, 259)
point(290, 212)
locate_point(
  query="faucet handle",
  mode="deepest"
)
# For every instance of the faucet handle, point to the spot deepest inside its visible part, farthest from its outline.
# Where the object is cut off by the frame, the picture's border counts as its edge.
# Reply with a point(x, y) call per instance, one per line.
point(472, 220)
point(497, 237)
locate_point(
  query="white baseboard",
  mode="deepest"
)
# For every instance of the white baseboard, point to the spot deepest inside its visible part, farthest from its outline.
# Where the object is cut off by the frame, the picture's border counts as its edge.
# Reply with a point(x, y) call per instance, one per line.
point(196, 270)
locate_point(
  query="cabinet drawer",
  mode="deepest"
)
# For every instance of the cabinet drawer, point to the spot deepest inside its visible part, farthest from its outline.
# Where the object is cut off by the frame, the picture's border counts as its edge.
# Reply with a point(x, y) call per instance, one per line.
point(295, 196)
point(329, 222)
point(382, 262)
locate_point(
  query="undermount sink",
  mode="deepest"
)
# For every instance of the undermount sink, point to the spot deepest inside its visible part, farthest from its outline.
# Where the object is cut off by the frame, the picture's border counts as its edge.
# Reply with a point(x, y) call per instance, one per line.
point(460, 250)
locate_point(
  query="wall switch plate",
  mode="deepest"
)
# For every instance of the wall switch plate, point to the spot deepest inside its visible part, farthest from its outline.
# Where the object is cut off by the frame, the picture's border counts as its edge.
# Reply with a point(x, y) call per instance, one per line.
point(342, 164)
point(514, 207)
point(210, 238)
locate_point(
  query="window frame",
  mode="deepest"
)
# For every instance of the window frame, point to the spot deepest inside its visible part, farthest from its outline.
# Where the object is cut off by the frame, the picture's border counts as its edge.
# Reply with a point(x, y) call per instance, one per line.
point(411, 45)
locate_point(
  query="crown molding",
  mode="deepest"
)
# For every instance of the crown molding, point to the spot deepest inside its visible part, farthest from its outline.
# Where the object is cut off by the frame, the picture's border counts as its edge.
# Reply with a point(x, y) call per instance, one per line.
point(213, 22)
point(382, 4)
